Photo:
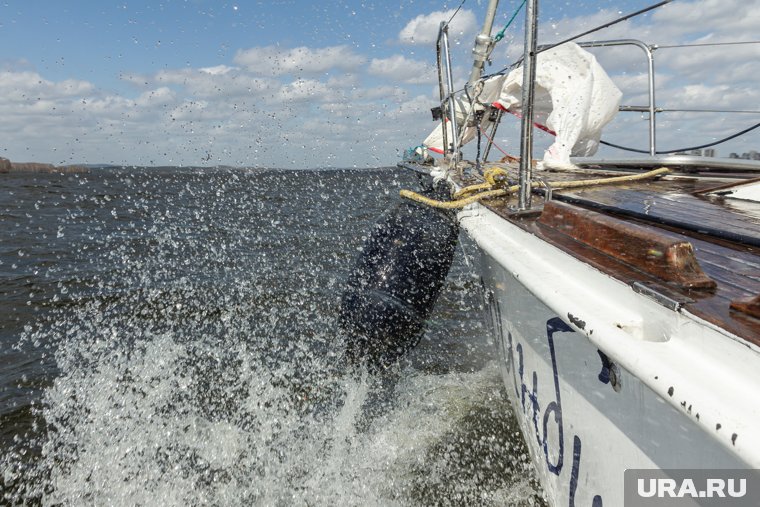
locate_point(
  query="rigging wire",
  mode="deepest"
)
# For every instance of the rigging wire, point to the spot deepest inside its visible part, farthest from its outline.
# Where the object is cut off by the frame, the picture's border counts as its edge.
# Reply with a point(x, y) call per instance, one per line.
point(500, 34)
point(587, 32)
point(600, 27)
point(455, 12)
point(702, 44)
point(493, 143)
point(659, 152)
point(739, 111)
point(664, 152)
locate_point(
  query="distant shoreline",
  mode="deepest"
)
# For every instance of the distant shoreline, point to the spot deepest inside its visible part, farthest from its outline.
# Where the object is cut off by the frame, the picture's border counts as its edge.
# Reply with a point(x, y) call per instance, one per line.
point(9, 167)
point(6, 166)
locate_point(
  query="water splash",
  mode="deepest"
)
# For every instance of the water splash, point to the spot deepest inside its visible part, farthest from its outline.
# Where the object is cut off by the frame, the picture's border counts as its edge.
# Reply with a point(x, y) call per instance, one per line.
point(197, 361)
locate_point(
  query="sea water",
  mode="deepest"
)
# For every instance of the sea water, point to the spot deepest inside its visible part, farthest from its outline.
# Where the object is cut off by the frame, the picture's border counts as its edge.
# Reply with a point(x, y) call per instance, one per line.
point(168, 337)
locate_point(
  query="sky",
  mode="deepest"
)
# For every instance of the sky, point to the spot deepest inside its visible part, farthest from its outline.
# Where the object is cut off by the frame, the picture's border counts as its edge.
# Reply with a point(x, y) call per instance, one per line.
point(306, 84)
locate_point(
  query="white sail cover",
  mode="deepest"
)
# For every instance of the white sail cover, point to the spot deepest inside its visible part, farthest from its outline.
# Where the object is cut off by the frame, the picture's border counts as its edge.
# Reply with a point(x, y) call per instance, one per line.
point(574, 97)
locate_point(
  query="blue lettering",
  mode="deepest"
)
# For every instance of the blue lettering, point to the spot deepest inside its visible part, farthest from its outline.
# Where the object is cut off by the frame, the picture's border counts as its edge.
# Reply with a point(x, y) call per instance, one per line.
point(555, 407)
point(533, 396)
point(597, 501)
point(553, 410)
point(576, 469)
point(520, 370)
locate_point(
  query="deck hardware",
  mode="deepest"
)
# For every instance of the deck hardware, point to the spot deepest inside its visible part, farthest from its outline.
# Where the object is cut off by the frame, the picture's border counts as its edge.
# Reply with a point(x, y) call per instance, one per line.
point(610, 373)
point(657, 296)
point(749, 306)
point(667, 257)
point(548, 190)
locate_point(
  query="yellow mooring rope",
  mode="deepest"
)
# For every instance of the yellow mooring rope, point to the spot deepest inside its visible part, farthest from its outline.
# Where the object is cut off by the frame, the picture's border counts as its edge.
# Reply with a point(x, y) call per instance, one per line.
point(496, 185)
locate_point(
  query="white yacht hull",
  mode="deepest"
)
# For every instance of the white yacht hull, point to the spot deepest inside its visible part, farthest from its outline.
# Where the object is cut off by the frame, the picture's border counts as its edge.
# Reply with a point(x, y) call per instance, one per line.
point(604, 379)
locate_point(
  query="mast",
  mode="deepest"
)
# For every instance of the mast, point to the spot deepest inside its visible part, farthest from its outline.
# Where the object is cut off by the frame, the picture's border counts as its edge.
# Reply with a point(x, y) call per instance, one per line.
point(526, 127)
point(483, 43)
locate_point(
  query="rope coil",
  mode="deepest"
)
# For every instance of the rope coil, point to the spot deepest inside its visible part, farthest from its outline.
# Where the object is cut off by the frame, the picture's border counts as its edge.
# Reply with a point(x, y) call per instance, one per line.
point(497, 185)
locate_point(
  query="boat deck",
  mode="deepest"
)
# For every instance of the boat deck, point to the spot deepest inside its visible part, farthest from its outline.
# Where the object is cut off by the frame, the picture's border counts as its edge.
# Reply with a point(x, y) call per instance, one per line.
point(679, 204)
point(636, 233)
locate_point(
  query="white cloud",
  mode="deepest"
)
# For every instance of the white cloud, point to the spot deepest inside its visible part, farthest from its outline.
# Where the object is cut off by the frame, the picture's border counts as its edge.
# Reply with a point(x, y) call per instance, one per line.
point(424, 28)
point(208, 82)
point(719, 64)
point(158, 97)
point(337, 105)
point(27, 84)
point(385, 94)
point(419, 105)
point(304, 90)
point(713, 19)
point(218, 70)
point(397, 68)
point(344, 81)
point(276, 61)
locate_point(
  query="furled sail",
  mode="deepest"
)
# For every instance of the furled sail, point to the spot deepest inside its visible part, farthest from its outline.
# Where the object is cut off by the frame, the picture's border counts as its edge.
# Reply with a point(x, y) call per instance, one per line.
point(574, 97)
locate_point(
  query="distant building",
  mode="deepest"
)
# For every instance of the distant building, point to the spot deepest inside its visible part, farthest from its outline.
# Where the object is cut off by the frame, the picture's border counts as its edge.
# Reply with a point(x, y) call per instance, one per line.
point(748, 155)
point(708, 152)
point(711, 152)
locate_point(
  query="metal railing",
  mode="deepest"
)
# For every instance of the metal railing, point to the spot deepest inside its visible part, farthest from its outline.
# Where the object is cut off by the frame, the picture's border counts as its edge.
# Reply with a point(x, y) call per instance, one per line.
point(449, 111)
point(528, 91)
point(651, 108)
point(443, 53)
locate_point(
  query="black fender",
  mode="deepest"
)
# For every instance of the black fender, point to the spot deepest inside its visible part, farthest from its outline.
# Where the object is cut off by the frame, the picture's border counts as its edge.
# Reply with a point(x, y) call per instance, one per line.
point(396, 280)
